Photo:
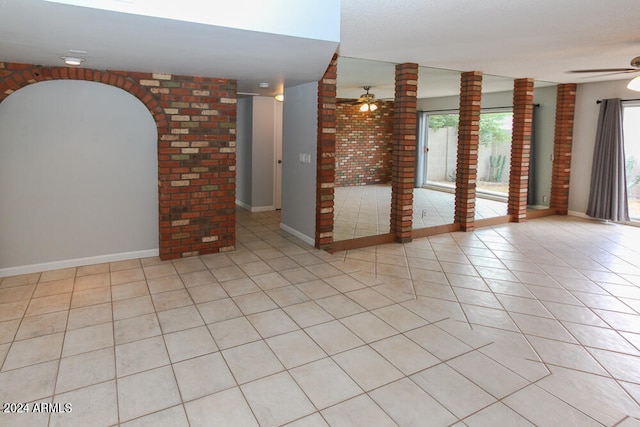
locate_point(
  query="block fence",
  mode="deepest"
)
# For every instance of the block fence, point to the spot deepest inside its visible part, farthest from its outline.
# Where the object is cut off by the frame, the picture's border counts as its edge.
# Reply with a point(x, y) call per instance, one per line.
point(196, 123)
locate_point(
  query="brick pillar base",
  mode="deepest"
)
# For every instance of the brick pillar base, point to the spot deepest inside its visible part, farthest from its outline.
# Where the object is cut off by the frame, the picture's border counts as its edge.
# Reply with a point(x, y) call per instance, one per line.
point(520, 148)
point(326, 154)
point(404, 151)
point(468, 138)
point(563, 140)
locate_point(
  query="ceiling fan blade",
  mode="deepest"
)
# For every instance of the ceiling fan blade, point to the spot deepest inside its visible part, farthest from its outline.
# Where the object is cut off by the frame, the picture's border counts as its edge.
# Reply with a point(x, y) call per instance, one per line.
point(612, 74)
point(606, 70)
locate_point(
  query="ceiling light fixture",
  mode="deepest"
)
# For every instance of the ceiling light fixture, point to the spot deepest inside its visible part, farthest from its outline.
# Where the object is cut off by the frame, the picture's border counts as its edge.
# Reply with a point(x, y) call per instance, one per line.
point(367, 101)
point(634, 84)
point(72, 61)
point(368, 107)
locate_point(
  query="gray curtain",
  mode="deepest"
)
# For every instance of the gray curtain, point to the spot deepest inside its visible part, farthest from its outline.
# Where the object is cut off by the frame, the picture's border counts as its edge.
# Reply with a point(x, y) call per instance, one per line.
point(608, 193)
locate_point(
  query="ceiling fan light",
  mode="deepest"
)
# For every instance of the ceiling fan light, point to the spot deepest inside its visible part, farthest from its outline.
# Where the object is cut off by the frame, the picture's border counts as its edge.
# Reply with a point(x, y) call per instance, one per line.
point(364, 108)
point(634, 84)
point(373, 107)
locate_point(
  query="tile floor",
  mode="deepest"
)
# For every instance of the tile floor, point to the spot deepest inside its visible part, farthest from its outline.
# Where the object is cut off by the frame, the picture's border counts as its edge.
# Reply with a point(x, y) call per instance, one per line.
point(364, 210)
point(520, 324)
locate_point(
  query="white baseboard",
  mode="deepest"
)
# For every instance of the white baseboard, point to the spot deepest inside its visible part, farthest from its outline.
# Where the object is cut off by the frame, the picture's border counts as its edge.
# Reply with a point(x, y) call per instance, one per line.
point(579, 214)
point(243, 205)
point(262, 208)
point(55, 265)
point(299, 235)
point(633, 223)
point(255, 208)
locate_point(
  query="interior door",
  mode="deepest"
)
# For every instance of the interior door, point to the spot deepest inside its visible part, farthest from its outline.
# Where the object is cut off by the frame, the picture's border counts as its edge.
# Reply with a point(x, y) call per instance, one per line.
point(277, 193)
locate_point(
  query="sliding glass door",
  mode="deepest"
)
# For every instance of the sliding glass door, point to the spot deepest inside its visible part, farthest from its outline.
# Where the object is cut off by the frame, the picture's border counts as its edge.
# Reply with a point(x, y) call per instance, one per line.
point(439, 150)
point(494, 153)
point(631, 114)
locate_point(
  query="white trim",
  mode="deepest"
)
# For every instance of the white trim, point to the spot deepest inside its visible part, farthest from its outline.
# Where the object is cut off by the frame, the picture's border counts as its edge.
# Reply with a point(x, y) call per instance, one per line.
point(262, 208)
point(298, 234)
point(632, 223)
point(255, 208)
point(54, 265)
point(579, 214)
point(243, 205)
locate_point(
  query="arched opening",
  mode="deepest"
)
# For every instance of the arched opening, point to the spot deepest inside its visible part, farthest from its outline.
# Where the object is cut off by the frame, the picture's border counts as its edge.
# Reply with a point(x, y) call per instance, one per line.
point(80, 184)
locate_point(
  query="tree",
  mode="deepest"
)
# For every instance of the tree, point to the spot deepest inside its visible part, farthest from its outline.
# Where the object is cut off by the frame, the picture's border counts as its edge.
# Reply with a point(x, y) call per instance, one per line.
point(439, 121)
point(492, 126)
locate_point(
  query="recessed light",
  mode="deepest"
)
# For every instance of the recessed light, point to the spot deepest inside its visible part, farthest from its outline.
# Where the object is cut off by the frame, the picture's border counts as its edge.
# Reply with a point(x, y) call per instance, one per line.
point(264, 85)
point(72, 61)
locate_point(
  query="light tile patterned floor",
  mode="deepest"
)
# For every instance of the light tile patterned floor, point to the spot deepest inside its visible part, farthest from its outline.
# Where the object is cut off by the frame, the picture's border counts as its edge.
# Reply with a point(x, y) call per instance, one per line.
point(520, 324)
point(364, 210)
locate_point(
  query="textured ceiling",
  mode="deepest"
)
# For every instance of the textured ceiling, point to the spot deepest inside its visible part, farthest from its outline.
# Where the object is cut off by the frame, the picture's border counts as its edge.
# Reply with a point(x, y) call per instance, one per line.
point(542, 39)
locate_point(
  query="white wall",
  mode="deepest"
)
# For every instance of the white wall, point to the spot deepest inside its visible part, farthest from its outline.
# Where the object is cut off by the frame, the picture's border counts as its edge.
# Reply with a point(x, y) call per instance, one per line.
point(584, 136)
point(309, 19)
point(299, 134)
point(78, 175)
point(244, 136)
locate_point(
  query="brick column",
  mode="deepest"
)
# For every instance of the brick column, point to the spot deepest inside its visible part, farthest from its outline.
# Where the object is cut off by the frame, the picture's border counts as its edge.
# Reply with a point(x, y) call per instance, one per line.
point(468, 138)
point(403, 167)
point(520, 148)
point(563, 140)
point(326, 154)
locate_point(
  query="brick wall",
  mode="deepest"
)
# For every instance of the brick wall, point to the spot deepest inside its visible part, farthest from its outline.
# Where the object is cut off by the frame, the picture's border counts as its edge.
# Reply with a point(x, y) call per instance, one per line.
point(468, 138)
point(326, 151)
point(196, 121)
point(520, 148)
point(404, 150)
point(563, 140)
point(363, 144)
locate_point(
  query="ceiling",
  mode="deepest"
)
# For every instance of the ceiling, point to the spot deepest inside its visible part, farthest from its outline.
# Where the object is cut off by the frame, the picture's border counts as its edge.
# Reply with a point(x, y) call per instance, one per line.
point(41, 32)
point(542, 39)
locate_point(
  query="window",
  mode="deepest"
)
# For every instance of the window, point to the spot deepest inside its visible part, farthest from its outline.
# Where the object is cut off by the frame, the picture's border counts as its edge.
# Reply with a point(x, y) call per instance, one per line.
point(439, 141)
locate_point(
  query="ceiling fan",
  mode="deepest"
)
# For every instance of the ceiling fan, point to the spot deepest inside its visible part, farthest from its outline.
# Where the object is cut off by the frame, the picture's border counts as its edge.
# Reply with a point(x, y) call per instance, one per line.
point(634, 84)
point(366, 101)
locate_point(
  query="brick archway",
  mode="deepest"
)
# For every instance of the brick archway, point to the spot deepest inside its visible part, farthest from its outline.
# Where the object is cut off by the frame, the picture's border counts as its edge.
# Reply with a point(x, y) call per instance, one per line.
point(196, 120)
